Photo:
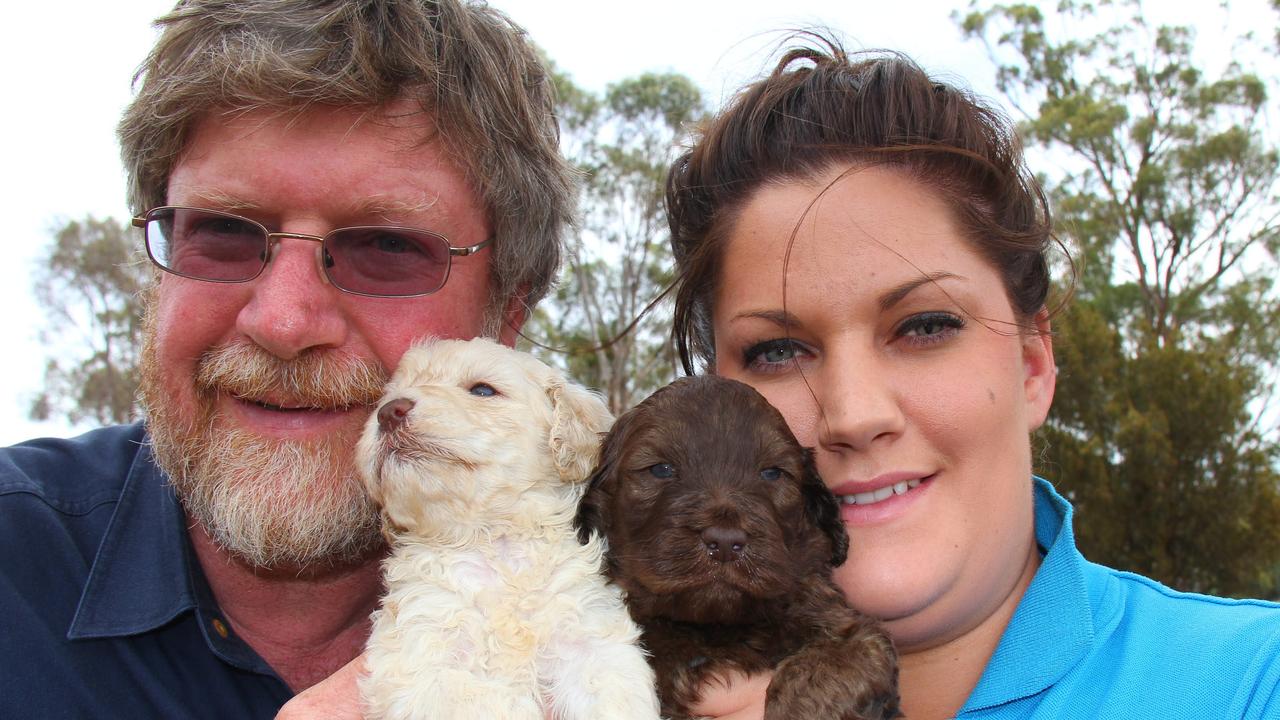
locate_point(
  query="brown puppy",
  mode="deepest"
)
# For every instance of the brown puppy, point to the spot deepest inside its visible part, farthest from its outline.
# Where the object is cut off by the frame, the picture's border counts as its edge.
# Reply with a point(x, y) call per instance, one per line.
point(723, 537)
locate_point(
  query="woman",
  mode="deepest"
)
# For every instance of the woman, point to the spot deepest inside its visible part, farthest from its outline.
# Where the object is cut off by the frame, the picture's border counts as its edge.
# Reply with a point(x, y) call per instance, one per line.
point(865, 246)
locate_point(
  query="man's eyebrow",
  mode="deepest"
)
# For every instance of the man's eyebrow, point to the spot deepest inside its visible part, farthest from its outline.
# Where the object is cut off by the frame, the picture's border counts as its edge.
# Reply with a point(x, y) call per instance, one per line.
point(221, 201)
point(896, 294)
point(388, 207)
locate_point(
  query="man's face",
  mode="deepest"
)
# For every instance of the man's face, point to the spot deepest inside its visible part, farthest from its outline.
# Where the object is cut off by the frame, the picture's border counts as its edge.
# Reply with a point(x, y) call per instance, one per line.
point(257, 392)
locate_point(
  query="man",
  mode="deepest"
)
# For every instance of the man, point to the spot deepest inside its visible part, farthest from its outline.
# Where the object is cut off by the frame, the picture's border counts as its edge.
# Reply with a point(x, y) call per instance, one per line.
point(321, 183)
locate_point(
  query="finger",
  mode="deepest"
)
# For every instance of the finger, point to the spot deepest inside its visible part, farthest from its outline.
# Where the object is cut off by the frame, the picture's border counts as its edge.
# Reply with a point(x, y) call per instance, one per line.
point(734, 696)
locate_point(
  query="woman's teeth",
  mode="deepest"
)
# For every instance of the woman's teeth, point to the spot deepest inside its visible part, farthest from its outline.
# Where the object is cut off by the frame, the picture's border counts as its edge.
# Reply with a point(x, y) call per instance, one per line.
point(884, 493)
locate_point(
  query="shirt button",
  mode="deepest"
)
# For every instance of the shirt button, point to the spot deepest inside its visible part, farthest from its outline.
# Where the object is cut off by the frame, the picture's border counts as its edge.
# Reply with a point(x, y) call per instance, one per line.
point(220, 628)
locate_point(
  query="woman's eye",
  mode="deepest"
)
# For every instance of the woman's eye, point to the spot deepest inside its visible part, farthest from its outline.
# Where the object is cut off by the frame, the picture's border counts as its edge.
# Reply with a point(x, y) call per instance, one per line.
point(772, 353)
point(771, 473)
point(930, 327)
point(483, 390)
point(662, 470)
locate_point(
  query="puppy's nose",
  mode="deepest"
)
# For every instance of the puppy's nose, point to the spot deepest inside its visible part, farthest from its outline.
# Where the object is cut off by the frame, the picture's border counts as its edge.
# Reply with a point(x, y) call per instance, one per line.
point(724, 544)
point(392, 413)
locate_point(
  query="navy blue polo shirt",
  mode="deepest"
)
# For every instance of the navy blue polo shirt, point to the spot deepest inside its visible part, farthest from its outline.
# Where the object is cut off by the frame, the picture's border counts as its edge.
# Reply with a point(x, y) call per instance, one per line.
point(104, 611)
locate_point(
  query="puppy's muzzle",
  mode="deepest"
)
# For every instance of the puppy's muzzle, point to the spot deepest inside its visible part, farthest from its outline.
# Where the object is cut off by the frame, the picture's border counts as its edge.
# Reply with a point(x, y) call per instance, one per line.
point(724, 544)
point(393, 413)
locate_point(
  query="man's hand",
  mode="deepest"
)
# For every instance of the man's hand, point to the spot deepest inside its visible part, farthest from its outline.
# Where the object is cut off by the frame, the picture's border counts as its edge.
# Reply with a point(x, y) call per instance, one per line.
point(335, 698)
point(736, 697)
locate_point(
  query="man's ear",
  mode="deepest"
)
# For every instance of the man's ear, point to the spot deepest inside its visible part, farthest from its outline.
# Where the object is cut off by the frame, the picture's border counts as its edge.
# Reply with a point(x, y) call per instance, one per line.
point(1040, 371)
point(579, 417)
point(514, 315)
point(823, 510)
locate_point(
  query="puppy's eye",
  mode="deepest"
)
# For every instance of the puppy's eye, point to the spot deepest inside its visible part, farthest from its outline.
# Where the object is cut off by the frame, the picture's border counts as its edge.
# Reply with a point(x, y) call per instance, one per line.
point(662, 470)
point(771, 474)
point(483, 390)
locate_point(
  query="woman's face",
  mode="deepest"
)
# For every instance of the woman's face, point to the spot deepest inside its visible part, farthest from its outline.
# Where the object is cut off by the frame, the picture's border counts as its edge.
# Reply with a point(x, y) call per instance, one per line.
point(890, 346)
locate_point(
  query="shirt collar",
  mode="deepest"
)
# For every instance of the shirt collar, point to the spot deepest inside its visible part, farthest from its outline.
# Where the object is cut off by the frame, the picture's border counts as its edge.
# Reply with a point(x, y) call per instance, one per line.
point(1052, 628)
point(139, 579)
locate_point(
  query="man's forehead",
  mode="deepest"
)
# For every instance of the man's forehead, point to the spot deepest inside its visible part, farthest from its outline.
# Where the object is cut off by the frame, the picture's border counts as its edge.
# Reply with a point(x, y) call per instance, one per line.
point(399, 163)
point(375, 206)
point(401, 124)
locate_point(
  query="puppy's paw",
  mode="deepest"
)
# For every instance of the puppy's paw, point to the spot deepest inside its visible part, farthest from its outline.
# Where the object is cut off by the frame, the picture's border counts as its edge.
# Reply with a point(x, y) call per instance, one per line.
point(850, 681)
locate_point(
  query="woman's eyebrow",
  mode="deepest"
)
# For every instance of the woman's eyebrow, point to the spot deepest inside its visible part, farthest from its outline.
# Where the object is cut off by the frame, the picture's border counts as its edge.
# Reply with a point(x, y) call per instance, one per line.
point(892, 297)
point(896, 294)
point(781, 318)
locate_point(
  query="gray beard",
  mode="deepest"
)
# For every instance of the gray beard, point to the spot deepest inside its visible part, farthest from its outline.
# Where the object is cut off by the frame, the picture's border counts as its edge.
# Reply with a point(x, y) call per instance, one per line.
point(272, 504)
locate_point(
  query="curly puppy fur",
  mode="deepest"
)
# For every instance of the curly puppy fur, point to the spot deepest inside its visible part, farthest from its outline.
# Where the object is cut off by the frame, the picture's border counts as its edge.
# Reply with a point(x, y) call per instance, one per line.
point(477, 457)
point(723, 537)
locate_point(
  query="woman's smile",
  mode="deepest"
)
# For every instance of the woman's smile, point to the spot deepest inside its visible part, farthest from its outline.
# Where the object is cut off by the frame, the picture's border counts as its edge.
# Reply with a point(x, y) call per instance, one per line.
point(855, 305)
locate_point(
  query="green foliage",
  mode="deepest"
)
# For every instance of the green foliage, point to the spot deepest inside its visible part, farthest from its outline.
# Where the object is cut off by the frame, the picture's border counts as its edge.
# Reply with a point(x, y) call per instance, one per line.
point(1276, 5)
point(1157, 450)
point(622, 140)
point(1164, 183)
point(90, 285)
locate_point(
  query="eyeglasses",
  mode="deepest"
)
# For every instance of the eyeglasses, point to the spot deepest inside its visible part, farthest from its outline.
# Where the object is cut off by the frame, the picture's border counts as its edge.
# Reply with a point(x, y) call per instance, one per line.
point(374, 260)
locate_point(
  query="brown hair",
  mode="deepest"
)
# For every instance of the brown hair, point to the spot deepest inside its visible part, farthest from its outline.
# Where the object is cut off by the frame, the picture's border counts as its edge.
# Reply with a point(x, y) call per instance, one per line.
point(823, 106)
point(464, 63)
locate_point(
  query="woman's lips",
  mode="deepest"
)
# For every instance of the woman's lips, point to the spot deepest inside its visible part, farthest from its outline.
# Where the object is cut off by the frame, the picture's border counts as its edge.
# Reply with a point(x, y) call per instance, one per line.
point(884, 493)
point(883, 498)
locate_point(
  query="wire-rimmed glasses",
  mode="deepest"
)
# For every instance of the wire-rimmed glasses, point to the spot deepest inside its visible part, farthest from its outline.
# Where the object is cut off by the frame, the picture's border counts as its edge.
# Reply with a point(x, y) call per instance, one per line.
point(372, 260)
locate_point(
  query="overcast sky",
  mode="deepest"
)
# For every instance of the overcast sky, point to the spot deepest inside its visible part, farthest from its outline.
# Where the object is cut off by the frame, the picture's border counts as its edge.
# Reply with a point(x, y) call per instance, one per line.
point(68, 68)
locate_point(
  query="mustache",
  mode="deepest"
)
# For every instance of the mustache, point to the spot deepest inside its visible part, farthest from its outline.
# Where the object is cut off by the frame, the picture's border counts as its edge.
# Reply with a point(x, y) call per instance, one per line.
point(318, 378)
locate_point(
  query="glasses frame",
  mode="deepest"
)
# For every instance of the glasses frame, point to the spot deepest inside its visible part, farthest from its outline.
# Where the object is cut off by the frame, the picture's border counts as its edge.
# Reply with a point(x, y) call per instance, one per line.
point(273, 238)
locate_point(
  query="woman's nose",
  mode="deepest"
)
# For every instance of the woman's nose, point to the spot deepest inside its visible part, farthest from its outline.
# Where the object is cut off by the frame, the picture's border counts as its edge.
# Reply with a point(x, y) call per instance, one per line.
point(858, 403)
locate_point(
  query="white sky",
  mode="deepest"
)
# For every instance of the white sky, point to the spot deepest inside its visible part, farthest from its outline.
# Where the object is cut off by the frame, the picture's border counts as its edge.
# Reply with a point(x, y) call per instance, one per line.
point(67, 69)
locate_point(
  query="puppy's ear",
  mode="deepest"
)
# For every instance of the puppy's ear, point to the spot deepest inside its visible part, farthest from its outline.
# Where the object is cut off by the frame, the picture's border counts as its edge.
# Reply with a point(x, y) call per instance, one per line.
point(579, 416)
point(593, 510)
point(823, 510)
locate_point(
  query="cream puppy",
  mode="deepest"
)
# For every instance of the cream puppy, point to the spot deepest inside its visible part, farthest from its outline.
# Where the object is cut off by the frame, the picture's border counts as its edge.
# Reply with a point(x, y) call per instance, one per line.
point(477, 456)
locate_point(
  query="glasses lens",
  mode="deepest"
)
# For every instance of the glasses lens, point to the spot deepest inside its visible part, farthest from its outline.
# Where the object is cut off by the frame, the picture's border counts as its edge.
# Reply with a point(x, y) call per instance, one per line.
point(387, 260)
point(206, 245)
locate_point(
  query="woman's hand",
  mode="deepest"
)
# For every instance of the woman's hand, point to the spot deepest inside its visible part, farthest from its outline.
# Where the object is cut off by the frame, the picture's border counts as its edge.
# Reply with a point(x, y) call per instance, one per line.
point(337, 697)
point(734, 697)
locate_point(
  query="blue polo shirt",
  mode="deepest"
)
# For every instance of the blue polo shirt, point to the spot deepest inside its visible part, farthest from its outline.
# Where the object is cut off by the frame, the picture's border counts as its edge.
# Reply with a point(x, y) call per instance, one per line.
point(1092, 643)
point(104, 612)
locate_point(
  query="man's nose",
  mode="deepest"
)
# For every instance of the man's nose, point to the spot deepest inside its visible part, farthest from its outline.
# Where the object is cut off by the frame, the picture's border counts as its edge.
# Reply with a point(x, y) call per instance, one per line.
point(293, 308)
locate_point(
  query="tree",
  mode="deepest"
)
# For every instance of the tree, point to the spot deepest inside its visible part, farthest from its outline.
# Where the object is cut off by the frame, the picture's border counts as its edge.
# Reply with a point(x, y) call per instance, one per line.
point(1166, 189)
point(622, 140)
point(90, 285)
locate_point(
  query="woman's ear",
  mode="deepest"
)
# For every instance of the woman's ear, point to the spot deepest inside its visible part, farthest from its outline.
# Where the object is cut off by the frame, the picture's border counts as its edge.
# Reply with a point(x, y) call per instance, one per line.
point(823, 510)
point(1040, 371)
